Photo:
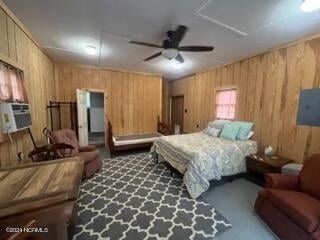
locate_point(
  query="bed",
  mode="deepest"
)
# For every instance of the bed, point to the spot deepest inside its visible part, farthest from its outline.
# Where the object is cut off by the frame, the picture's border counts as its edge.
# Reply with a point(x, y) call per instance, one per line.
point(201, 158)
point(135, 141)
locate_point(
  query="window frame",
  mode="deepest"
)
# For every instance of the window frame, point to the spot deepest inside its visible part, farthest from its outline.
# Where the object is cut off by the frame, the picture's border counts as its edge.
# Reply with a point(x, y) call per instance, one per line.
point(228, 88)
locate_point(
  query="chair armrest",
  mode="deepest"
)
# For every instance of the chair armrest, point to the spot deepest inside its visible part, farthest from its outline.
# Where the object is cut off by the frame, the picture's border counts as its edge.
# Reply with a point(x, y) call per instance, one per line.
point(88, 148)
point(51, 151)
point(282, 181)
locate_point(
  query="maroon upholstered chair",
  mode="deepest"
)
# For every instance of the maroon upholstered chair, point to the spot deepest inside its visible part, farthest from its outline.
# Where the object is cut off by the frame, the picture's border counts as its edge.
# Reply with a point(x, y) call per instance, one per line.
point(90, 155)
point(290, 205)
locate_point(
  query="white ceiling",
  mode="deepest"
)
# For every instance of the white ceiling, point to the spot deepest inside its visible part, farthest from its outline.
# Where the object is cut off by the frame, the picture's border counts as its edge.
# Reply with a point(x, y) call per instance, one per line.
point(237, 28)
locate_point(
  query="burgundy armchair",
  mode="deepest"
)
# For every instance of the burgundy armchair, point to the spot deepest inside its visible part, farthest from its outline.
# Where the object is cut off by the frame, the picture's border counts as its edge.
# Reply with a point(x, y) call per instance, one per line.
point(290, 205)
point(90, 155)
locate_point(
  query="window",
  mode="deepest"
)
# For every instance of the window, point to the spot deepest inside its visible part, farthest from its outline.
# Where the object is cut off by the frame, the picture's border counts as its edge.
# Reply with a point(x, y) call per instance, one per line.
point(11, 84)
point(226, 103)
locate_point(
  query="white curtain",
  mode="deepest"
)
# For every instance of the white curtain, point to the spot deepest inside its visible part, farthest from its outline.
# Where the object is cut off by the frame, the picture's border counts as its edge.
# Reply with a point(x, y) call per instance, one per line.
point(226, 104)
point(11, 84)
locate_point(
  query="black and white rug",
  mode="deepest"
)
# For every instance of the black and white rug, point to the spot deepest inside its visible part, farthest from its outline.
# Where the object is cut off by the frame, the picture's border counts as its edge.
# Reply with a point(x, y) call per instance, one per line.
point(133, 198)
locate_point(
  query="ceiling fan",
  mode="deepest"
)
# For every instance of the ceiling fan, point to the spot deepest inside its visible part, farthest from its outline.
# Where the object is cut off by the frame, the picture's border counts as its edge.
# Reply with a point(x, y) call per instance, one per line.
point(171, 48)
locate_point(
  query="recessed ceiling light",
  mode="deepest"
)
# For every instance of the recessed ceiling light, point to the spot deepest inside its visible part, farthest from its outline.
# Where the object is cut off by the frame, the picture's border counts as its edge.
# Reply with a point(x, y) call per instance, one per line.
point(310, 5)
point(91, 50)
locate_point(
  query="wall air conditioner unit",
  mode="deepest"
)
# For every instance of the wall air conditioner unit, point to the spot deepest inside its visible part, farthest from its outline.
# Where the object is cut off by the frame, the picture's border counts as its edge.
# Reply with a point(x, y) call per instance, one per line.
point(15, 117)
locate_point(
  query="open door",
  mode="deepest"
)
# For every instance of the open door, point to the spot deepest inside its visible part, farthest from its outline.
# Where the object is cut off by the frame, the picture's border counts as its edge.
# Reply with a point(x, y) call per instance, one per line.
point(82, 117)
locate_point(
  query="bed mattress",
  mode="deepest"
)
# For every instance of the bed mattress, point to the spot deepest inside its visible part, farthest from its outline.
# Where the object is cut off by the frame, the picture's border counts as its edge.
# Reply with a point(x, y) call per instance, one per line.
point(135, 138)
point(202, 158)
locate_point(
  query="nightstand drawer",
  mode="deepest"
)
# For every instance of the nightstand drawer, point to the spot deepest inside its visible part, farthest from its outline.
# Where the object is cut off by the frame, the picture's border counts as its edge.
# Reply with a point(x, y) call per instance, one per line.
point(258, 166)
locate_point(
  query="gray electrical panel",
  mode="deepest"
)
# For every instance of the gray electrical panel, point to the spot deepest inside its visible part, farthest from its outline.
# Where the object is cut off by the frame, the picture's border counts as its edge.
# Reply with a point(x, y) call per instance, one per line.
point(309, 107)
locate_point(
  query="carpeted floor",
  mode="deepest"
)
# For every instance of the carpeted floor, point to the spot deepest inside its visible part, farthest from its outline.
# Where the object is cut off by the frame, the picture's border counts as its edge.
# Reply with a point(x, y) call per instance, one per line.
point(131, 197)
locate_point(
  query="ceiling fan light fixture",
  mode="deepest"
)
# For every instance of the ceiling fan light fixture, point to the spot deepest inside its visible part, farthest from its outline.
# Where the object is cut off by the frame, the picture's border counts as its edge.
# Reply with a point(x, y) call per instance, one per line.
point(170, 53)
point(91, 50)
point(176, 65)
point(310, 5)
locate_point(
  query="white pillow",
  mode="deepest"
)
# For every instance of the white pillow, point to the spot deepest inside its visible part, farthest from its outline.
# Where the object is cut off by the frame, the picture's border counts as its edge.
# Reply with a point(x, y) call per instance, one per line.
point(250, 135)
point(218, 124)
point(214, 132)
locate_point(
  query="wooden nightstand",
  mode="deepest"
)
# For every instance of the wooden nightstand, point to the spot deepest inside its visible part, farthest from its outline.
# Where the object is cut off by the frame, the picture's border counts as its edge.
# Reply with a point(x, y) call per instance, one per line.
point(259, 164)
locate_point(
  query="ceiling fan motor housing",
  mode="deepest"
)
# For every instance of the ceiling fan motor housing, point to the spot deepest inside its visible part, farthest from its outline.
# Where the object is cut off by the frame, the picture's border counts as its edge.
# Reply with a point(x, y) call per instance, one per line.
point(167, 43)
point(170, 53)
point(170, 33)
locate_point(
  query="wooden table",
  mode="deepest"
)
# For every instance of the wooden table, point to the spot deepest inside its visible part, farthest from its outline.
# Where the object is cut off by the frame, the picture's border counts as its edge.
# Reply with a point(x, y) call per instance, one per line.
point(46, 192)
point(260, 164)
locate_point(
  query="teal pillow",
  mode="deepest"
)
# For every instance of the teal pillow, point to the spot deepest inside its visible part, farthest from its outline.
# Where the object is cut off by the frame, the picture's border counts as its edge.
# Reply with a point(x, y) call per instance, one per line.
point(230, 131)
point(245, 128)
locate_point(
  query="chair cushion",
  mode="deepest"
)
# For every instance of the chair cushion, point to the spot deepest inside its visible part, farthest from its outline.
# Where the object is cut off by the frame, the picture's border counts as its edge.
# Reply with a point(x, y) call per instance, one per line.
point(300, 207)
point(310, 177)
point(90, 156)
point(67, 136)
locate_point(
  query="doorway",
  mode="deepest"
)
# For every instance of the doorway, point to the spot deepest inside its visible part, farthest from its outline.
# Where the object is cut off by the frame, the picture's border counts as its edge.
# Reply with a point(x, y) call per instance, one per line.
point(177, 113)
point(91, 117)
point(95, 114)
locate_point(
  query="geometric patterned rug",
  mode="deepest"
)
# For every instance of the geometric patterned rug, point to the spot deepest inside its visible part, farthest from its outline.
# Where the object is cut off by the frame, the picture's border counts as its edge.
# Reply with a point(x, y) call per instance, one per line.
point(134, 198)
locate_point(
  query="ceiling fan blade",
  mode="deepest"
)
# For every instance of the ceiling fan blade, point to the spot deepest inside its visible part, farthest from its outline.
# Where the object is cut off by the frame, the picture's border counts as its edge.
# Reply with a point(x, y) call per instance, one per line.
point(153, 56)
point(178, 35)
point(146, 44)
point(195, 48)
point(179, 58)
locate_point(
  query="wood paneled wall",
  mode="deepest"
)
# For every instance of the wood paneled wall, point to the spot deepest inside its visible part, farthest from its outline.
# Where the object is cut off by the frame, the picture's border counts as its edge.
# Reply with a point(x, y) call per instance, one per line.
point(165, 101)
point(134, 100)
point(268, 94)
point(19, 49)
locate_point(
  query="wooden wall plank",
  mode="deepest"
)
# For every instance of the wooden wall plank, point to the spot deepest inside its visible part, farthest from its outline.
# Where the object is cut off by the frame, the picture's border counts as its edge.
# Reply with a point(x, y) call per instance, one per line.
point(242, 89)
point(188, 102)
point(165, 101)
point(4, 46)
point(12, 51)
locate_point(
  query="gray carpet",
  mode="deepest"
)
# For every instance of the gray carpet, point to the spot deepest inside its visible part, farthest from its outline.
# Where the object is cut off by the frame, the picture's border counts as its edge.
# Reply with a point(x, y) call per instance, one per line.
point(131, 197)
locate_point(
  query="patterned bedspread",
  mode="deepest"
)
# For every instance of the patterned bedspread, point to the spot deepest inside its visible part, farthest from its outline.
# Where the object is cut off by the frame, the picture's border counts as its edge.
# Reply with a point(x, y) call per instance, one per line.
point(201, 158)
